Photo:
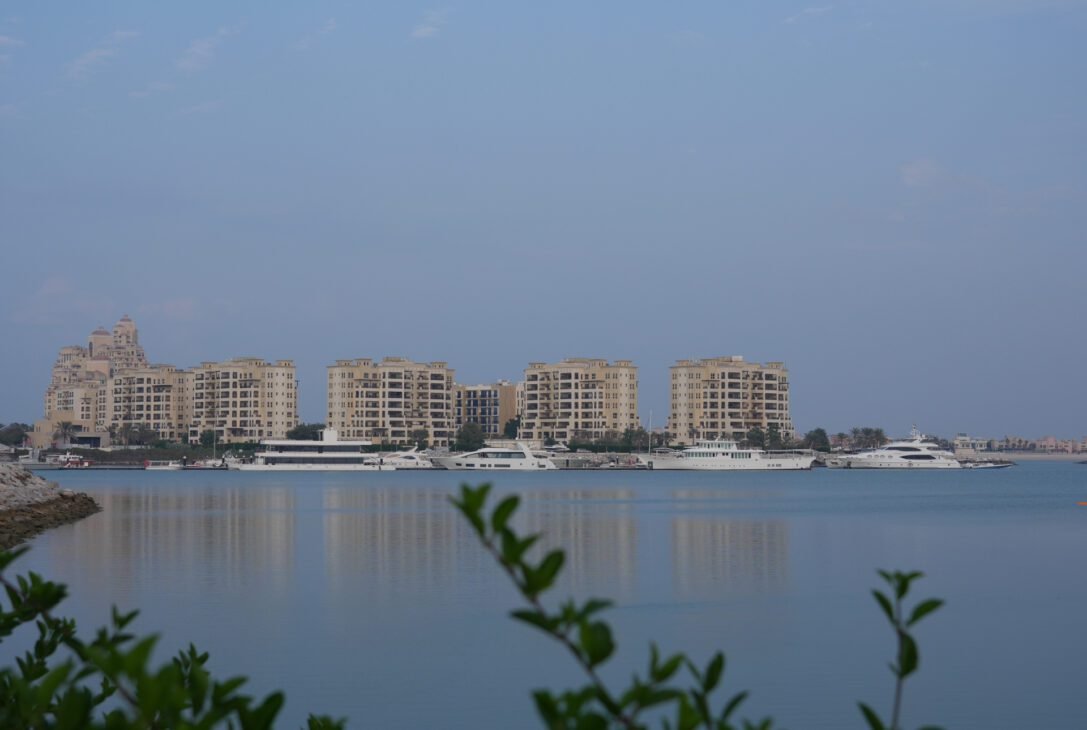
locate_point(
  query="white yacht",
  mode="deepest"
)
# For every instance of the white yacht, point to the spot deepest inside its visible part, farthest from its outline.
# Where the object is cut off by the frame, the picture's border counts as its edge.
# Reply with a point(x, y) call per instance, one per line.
point(916, 452)
point(404, 460)
point(724, 455)
point(521, 459)
point(327, 454)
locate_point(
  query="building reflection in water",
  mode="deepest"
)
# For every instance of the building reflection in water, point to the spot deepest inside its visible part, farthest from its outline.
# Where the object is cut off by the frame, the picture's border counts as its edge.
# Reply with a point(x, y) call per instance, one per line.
point(713, 552)
point(597, 529)
point(218, 537)
point(395, 535)
point(400, 536)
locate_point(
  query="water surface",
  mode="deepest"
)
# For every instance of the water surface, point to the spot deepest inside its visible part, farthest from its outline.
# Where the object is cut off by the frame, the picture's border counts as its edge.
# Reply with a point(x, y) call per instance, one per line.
point(364, 595)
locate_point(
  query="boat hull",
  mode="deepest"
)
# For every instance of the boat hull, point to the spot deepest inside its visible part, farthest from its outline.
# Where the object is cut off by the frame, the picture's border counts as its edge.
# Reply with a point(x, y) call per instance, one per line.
point(313, 467)
point(784, 463)
point(890, 464)
point(453, 463)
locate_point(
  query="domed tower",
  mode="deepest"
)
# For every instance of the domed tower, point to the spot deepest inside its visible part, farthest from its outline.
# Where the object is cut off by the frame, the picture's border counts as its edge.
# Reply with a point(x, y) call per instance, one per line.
point(125, 353)
point(124, 333)
point(99, 342)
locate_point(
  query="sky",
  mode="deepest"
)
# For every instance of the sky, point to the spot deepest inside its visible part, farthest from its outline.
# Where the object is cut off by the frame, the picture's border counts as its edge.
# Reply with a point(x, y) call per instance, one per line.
point(889, 196)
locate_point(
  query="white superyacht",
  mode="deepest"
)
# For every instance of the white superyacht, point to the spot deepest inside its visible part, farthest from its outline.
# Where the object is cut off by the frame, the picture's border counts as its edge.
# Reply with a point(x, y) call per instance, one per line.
point(725, 455)
point(916, 452)
point(518, 459)
point(328, 453)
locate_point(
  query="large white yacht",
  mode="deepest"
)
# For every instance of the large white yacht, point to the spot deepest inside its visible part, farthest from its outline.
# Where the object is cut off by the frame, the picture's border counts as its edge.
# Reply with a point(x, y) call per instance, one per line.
point(916, 452)
point(520, 459)
point(327, 454)
point(724, 455)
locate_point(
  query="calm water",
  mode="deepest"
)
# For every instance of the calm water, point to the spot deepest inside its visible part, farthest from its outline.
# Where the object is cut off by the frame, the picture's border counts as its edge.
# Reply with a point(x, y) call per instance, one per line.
point(364, 595)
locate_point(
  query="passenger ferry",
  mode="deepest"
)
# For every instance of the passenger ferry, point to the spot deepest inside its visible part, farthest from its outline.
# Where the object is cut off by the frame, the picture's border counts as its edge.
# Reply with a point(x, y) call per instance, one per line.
point(327, 454)
point(519, 459)
point(916, 452)
point(724, 455)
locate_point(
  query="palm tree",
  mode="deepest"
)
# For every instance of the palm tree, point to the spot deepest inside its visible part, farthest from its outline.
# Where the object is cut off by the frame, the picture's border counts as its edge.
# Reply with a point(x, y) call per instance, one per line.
point(145, 435)
point(125, 432)
point(64, 432)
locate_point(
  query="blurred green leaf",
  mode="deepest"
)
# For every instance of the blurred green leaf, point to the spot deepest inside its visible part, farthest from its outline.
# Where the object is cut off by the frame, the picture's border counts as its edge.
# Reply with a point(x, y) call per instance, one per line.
point(503, 512)
point(885, 604)
point(874, 723)
point(924, 609)
point(595, 641)
point(908, 657)
point(713, 672)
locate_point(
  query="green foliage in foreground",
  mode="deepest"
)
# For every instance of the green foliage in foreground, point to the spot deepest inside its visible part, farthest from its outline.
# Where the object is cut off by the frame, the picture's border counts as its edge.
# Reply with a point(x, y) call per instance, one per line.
point(108, 682)
point(674, 687)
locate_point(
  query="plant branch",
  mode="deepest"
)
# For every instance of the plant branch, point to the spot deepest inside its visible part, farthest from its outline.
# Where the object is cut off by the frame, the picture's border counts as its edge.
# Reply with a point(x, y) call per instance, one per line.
point(562, 638)
point(73, 643)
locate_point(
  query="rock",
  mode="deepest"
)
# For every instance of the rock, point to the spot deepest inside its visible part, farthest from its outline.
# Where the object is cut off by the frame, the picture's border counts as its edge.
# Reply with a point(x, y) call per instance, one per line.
point(30, 505)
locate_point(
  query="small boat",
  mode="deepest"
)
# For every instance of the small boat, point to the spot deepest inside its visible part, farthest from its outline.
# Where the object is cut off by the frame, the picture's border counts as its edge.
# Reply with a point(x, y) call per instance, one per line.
point(163, 465)
point(207, 464)
point(987, 464)
point(403, 460)
point(73, 461)
point(518, 459)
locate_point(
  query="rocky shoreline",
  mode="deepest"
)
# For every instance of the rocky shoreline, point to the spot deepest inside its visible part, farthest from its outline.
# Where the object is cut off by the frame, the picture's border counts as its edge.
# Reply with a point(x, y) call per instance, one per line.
point(30, 505)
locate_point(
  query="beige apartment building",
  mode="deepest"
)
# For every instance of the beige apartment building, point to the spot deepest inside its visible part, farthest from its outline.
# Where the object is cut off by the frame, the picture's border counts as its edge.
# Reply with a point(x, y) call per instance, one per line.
point(582, 398)
point(158, 397)
point(725, 397)
point(107, 389)
point(76, 393)
point(490, 406)
point(244, 399)
point(387, 401)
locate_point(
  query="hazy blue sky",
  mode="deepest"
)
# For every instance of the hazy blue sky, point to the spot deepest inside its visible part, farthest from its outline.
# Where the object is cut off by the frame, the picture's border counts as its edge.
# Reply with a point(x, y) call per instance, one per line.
point(889, 196)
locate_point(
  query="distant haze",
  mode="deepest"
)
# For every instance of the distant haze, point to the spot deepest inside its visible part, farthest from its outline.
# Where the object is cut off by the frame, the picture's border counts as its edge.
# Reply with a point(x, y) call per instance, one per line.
point(889, 197)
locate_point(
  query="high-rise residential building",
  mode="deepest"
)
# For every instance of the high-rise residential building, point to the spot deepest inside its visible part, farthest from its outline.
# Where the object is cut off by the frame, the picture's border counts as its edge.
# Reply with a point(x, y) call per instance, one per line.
point(244, 399)
point(490, 406)
point(725, 397)
point(158, 397)
point(579, 398)
point(106, 392)
point(390, 400)
point(75, 395)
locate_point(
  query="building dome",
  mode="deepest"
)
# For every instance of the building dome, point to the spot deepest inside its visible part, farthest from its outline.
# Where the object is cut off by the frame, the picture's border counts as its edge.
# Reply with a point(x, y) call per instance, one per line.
point(100, 331)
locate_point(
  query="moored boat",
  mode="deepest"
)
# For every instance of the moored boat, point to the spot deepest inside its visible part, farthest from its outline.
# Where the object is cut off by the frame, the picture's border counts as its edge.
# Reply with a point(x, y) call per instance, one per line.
point(73, 461)
point(518, 459)
point(987, 464)
point(405, 460)
point(327, 454)
point(916, 452)
point(163, 465)
point(726, 455)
